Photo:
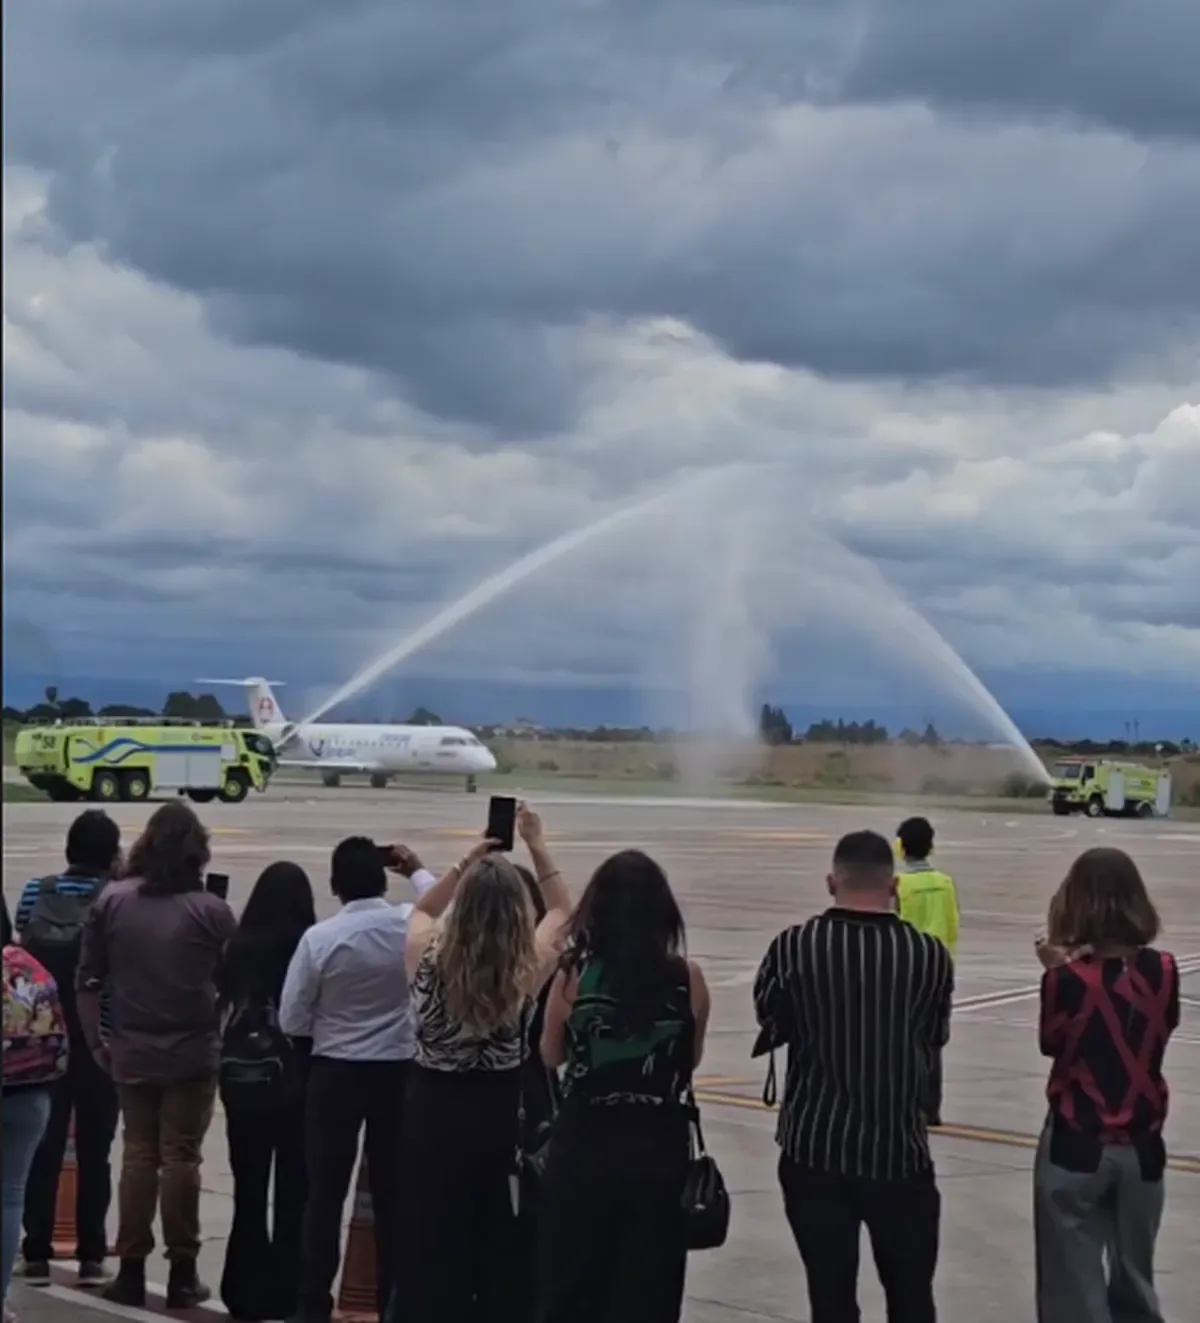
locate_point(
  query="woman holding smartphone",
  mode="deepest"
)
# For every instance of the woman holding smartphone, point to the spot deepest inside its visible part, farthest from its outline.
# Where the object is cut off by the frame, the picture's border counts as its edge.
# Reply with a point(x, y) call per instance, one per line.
point(474, 978)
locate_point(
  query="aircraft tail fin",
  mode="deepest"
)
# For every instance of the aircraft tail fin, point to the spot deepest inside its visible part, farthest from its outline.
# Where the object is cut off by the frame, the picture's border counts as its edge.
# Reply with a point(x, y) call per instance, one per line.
point(264, 707)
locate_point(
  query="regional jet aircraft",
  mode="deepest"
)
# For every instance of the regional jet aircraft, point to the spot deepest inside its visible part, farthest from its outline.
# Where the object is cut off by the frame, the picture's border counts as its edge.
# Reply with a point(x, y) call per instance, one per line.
point(380, 752)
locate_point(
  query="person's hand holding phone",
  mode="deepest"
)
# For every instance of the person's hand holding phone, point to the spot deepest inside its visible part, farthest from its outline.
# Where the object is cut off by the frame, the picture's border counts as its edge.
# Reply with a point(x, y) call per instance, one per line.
point(400, 859)
point(529, 825)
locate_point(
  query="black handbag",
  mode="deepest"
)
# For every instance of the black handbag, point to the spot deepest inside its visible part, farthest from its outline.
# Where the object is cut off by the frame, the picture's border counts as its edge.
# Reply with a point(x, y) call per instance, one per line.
point(706, 1205)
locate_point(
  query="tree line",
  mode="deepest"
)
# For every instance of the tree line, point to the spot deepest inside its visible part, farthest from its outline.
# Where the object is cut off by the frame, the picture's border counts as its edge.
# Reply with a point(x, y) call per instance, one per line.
point(774, 727)
point(178, 706)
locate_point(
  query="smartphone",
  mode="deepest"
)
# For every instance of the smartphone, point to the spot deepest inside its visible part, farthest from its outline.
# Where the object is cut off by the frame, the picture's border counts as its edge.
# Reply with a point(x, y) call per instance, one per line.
point(502, 821)
point(218, 884)
point(387, 856)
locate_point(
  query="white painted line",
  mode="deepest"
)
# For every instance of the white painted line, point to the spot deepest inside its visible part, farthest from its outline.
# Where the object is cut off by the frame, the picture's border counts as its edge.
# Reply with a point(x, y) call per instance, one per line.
point(91, 1300)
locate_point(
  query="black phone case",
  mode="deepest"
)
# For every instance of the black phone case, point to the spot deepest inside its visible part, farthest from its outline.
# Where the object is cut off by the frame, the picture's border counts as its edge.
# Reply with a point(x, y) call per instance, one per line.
point(502, 821)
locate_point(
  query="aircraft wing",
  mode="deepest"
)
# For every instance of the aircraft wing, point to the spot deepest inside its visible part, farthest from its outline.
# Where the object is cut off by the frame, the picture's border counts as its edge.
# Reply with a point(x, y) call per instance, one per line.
point(329, 764)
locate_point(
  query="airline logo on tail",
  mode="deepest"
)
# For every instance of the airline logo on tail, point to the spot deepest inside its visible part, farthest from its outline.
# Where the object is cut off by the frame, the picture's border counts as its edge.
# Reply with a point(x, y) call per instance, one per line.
point(264, 710)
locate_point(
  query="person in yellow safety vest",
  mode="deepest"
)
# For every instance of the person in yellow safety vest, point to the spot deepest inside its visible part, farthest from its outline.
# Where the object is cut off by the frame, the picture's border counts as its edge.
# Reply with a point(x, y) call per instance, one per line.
point(926, 897)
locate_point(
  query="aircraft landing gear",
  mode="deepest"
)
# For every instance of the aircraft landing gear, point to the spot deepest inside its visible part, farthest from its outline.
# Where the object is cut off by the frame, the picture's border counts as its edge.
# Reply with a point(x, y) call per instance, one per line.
point(331, 779)
point(472, 785)
point(378, 782)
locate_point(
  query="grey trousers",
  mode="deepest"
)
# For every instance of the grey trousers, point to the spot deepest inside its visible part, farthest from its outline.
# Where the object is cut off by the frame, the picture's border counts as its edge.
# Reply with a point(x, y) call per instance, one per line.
point(1082, 1220)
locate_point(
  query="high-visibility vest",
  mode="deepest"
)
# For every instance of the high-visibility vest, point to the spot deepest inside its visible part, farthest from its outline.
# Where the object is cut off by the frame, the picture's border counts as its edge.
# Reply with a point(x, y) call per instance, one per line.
point(928, 900)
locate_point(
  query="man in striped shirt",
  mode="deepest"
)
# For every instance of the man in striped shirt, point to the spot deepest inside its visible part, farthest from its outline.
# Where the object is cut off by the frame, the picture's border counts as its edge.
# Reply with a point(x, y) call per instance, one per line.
point(93, 854)
point(862, 1001)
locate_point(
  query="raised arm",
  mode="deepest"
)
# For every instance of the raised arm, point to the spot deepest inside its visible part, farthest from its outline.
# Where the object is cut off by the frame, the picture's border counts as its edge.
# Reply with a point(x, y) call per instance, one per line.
point(435, 901)
point(552, 929)
point(407, 863)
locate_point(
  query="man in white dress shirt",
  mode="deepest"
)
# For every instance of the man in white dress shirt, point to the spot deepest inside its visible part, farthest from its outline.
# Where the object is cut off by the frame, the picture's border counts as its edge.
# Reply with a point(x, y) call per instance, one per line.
point(347, 990)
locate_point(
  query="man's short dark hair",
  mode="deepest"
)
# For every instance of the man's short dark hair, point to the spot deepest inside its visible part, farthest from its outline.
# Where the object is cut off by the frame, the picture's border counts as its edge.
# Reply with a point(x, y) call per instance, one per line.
point(93, 841)
point(863, 853)
point(358, 872)
point(916, 838)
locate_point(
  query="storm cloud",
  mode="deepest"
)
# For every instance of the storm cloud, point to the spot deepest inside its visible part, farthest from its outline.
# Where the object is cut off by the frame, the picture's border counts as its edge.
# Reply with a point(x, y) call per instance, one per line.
point(432, 192)
point(322, 308)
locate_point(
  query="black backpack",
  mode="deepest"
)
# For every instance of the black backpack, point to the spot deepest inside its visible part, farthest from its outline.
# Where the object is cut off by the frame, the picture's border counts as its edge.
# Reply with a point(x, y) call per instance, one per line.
point(53, 933)
point(259, 1071)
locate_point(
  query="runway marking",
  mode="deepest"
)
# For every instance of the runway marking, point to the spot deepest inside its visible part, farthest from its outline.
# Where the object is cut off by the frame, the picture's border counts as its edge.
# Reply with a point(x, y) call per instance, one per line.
point(748, 834)
point(155, 1310)
point(128, 829)
point(980, 1134)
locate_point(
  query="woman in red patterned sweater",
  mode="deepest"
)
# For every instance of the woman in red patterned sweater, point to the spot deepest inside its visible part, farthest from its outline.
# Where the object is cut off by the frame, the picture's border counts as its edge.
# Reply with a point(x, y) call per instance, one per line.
point(1109, 1004)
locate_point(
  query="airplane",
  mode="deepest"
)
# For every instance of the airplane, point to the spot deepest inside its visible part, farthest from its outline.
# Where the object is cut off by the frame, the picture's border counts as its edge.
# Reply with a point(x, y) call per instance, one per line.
point(337, 749)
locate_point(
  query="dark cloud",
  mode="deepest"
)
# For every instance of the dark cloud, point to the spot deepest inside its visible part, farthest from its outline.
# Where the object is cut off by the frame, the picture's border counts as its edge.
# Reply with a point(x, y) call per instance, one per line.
point(435, 192)
point(1129, 64)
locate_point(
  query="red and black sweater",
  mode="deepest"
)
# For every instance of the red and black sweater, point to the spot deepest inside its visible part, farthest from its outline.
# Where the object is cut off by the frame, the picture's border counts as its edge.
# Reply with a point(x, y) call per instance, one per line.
point(1106, 1023)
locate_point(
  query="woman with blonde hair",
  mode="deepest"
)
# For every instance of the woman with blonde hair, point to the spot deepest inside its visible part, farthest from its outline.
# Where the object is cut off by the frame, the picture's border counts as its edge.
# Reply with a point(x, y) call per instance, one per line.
point(474, 979)
point(1110, 1002)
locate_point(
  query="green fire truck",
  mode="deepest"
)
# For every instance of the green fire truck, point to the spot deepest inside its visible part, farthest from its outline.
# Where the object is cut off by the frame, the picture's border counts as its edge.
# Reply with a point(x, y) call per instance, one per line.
point(111, 761)
point(1104, 787)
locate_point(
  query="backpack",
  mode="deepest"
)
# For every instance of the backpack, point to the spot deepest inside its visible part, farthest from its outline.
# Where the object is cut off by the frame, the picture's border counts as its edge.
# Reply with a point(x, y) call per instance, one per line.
point(35, 1029)
point(54, 929)
point(258, 1070)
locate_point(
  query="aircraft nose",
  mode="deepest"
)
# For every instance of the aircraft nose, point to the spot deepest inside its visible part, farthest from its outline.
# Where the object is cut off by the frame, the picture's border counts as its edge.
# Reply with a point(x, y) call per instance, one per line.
point(487, 760)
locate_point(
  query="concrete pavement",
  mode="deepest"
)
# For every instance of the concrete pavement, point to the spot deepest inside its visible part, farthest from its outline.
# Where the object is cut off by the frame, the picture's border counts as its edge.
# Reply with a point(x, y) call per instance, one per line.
point(742, 872)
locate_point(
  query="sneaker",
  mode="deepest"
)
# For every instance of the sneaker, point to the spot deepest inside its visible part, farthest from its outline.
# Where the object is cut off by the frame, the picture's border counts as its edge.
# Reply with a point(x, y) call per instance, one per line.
point(92, 1275)
point(36, 1272)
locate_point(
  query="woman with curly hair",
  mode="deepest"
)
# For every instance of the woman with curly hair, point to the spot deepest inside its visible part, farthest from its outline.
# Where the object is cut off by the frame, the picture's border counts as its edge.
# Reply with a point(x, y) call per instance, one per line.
point(154, 939)
point(1110, 1002)
point(475, 978)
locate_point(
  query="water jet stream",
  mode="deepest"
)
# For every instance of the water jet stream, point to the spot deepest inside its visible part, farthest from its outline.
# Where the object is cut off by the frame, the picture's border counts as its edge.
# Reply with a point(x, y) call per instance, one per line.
point(895, 615)
point(512, 576)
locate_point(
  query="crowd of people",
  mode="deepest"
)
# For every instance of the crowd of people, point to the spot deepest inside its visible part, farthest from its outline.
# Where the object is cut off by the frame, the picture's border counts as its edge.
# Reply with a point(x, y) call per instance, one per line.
point(517, 1062)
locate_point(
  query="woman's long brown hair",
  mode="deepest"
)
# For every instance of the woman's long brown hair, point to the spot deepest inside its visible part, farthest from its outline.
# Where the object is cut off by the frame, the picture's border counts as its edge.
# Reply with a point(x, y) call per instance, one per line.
point(1102, 903)
point(487, 952)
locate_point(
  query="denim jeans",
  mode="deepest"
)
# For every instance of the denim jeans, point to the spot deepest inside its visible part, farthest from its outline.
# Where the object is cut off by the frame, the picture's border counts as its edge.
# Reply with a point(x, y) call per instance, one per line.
point(25, 1115)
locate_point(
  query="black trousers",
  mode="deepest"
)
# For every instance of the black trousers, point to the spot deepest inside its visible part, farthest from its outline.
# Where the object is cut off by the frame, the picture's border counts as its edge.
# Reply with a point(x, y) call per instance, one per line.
point(342, 1098)
point(263, 1253)
point(826, 1213)
point(88, 1092)
point(461, 1236)
point(611, 1239)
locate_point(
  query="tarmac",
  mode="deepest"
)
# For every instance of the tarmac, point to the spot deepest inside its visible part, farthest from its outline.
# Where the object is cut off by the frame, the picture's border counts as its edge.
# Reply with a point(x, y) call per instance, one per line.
point(742, 872)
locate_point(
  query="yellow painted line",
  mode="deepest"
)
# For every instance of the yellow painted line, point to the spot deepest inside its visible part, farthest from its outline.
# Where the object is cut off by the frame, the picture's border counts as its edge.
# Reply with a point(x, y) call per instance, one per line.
point(1009, 1138)
point(712, 1081)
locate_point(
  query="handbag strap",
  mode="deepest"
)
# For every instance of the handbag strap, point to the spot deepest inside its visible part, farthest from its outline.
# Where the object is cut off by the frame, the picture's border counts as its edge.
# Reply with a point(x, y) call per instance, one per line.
point(693, 1111)
point(770, 1091)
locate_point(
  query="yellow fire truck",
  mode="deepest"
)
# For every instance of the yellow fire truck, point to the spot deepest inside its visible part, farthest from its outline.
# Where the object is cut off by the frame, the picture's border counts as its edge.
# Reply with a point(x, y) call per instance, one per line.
point(107, 761)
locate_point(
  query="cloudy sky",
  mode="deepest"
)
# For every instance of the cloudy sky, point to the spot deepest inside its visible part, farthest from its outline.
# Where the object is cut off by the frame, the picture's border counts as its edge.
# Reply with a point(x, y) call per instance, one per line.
point(317, 313)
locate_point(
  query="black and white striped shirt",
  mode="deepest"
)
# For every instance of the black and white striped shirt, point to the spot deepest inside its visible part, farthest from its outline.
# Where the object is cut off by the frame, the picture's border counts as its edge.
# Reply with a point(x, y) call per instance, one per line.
point(861, 1000)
